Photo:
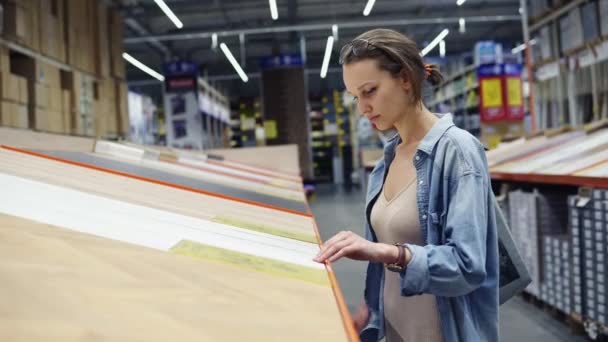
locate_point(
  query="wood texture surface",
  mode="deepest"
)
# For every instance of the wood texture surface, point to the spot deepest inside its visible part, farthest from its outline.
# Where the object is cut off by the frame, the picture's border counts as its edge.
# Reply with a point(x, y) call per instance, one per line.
point(284, 158)
point(59, 285)
point(150, 194)
point(23, 138)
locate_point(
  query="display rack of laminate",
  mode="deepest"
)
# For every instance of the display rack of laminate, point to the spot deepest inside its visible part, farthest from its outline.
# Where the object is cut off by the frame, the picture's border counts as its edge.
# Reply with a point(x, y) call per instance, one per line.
point(112, 243)
point(571, 157)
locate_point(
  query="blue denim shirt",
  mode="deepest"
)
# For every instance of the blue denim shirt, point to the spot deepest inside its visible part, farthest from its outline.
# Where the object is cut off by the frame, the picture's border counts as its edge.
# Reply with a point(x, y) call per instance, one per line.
point(459, 262)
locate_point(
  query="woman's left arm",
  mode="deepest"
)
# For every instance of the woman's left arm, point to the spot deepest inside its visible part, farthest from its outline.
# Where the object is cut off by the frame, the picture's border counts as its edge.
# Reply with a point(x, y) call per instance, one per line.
point(458, 266)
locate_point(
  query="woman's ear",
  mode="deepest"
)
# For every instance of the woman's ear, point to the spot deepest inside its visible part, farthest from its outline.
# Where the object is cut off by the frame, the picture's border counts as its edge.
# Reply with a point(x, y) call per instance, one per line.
point(405, 83)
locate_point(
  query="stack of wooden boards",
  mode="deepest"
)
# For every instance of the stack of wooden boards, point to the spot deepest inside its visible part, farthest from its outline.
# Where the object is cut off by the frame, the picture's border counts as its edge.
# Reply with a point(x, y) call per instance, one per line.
point(61, 67)
point(582, 153)
point(109, 241)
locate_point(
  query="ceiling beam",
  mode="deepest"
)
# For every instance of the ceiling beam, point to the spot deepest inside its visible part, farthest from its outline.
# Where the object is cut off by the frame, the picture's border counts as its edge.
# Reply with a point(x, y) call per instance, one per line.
point(324, 26)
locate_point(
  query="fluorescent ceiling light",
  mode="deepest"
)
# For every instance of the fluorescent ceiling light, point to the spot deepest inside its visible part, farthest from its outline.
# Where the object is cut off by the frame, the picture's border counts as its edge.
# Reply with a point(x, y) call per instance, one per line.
point(214, 41)
point(368, 7)
point(442, 48)
point(434, 43)
point(142, 67)
point(462, 25)
point(460, 2)
point(334, 31)
point(522, 47)
point(328, 48)
point(274, 12)
point(163, 6)
point(234, 63)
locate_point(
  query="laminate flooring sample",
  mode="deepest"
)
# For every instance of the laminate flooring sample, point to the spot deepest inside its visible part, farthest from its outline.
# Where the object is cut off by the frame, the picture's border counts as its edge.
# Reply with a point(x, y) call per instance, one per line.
point(179, 180)
point(180, 201)
point(60, 285)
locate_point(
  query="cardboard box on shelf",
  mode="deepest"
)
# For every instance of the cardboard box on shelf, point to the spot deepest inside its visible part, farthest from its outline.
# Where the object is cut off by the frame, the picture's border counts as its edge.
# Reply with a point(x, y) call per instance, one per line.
point(67, 110)
point(116, 25)
point(49, 121)
point(79, 36)
point(55, 99)
point(37, 71)
point(23, 90)
point(10, 85)
point(34, 9)
point(102, 39)
point(41, 97)
point(52, 33)
point(122, 107)
point(14, 114)
point(17, 22)
point(5, 61)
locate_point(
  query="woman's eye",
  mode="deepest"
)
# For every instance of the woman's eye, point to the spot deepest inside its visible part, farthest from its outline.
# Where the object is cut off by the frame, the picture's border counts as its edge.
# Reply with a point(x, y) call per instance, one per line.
point(371, 91)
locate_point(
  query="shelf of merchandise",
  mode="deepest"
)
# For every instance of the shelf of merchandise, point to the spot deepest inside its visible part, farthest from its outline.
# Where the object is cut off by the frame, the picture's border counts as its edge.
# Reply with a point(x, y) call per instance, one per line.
point(568, 85)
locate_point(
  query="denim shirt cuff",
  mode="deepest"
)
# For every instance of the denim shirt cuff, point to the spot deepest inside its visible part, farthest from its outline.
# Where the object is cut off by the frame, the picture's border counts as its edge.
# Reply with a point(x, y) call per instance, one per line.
point(372, 329)
point(415, 277)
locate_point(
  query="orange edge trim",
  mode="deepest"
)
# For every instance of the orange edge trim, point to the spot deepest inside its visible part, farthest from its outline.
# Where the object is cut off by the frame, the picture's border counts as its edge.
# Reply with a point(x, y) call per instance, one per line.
point(155, 181)
point(347, 320)
point(262, 172)
point(599, 182)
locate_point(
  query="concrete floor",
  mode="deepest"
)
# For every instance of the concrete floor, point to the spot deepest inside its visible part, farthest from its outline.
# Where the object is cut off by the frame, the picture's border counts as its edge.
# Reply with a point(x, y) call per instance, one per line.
point(338, 209)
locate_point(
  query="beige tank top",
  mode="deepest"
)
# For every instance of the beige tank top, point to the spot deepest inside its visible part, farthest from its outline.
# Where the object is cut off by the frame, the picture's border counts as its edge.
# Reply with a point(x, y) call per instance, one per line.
point(407, 319)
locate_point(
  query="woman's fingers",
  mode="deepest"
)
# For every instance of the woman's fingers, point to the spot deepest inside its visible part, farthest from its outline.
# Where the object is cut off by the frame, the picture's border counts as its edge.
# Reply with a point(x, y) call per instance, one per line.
point(345, 251)
point(332, 247)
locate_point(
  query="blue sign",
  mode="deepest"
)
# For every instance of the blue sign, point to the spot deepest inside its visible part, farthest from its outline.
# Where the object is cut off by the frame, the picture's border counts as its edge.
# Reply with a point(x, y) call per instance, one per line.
point(180, 68)
point(507, 69)
point(489, 70)
point(281, 61)
point(513, 69)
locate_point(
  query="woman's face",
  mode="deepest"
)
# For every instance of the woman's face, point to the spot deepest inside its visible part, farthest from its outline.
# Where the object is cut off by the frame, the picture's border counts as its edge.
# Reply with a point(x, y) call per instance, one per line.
point(382, 98)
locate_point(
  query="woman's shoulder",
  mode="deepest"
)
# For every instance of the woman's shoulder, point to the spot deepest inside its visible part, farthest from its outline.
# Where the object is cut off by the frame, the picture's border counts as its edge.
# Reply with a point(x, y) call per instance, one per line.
point(463, 150)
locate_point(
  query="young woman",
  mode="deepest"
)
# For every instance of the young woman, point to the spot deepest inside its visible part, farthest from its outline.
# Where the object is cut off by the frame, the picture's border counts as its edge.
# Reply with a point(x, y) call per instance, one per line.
point(431, 237)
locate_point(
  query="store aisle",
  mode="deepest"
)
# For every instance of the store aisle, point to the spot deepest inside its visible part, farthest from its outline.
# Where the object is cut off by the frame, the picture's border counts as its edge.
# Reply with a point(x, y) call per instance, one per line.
point(337, 209)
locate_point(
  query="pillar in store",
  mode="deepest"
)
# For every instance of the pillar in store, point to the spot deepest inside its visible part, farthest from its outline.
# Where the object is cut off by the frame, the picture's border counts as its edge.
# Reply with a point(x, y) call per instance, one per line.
point(284, 98)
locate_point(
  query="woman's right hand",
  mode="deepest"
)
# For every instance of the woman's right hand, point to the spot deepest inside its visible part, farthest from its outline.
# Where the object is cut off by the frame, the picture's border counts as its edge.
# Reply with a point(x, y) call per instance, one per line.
point(361, 317)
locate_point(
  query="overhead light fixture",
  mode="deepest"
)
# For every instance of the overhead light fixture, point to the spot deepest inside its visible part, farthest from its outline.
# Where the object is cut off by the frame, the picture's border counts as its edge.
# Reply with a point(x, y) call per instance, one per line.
point(434, 43)
point(522, 47)
point(334, 31)
point(442, 49)
point(460, 2)
point(274, 12)
point(368, 7)
point(141, 66)
point(462, 25)
point(169, 13)
point(214, 41)
point(328, 48)
point(234, 63)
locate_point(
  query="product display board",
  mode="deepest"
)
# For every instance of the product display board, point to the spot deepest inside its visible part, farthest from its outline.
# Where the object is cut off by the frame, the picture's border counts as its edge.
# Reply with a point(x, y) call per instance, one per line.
point(156, 195)
point(556, 158)
point(574, 153)
point(152, 160)
point(205, 162)
point(162, 256)
point(170, 179)
point(530, 148)
point(79, 286)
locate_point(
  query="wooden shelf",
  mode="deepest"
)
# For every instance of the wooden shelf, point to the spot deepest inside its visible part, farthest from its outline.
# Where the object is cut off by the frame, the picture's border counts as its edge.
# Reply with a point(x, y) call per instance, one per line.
point(596, 182)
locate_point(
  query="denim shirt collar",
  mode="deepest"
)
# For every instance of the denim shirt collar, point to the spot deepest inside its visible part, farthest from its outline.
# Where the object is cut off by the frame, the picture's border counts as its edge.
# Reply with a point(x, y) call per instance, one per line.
point(428, 142)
